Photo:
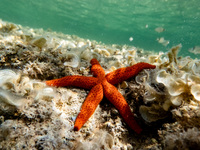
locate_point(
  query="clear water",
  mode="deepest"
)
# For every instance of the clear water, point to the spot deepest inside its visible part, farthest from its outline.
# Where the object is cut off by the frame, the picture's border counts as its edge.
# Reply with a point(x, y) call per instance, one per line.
point(113, 21)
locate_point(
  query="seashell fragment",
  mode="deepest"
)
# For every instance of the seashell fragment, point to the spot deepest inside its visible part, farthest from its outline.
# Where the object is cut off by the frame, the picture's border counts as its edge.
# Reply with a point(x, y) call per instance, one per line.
point(80, 44)
point(57, 47)
point(175, 87)
point(124, 85)
point(105, 52)
point(167, 104)
point(32, 85)
point(163, 41)
point(152, 113)
point(113, 68)
point(195, 50)
point(8, 78)
point(192, 79)
point(196, 67)
point(86, 55)
point(151, 95)
point(11, 98)
point(176, 100)
point(159, 29)
point(141, 78)
point(156, 58)
point(45, 94)
point(39, 42)
point(71, 45)
point(100, 139)
point(195, 91)
point(102, 51)
point(72, 60)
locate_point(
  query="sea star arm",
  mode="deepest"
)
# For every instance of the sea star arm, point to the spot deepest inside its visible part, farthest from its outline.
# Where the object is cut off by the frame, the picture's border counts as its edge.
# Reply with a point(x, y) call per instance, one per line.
point(122, 74)
point(75, 81)
point(96, 69)
point(115, 97)
point(90, 104)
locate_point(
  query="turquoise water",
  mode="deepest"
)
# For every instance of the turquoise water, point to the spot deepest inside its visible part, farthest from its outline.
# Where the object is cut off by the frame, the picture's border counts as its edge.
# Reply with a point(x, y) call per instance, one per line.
point(113, 21)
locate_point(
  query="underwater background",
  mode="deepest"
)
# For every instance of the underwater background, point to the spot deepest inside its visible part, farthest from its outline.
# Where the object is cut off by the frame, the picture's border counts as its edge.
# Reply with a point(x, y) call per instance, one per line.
point(131, 22)
point(51, 39)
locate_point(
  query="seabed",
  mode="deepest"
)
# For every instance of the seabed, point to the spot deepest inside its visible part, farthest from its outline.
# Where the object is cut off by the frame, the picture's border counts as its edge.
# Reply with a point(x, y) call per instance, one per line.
point(165, 100)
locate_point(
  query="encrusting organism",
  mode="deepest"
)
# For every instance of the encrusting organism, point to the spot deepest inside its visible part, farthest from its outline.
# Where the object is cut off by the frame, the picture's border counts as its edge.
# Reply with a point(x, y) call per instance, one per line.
point(101, 85)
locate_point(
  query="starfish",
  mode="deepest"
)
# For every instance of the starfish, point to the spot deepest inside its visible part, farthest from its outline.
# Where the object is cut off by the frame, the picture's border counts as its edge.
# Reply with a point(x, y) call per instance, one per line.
point(103, 85)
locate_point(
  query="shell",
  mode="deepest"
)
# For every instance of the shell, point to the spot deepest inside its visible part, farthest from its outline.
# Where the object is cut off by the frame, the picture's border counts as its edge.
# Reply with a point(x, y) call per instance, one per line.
point(124, 85)
point(151, 94)
point(102, 51)
point(86, 55)
point(8, 78)
point(11, 98)
point(152, 113)
point(45, 94)
point(195, 91)
point(98, 140)
point(196, 68)
point(39, 42)
point(80, 44)
point(175, 86)
point(71, 45)
point(176, 100)
point(72, 60)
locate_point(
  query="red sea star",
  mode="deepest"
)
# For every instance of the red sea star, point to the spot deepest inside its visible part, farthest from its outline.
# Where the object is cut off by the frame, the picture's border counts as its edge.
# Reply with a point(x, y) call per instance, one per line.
point(100, 85)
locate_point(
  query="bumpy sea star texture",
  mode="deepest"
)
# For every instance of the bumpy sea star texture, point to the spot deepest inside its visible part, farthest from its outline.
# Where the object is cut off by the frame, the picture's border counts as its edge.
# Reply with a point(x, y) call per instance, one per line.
point(101, 85)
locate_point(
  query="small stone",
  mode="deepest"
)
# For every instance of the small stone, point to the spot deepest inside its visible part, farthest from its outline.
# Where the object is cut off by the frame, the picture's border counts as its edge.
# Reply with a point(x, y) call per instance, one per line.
point(124, 85)
point(39, 42)
point(178, 113)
